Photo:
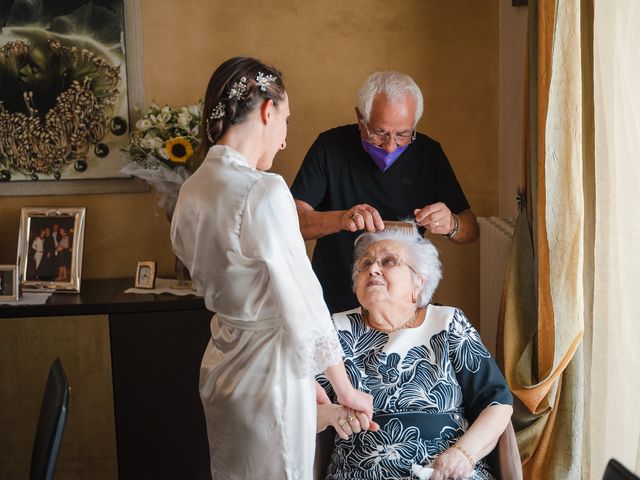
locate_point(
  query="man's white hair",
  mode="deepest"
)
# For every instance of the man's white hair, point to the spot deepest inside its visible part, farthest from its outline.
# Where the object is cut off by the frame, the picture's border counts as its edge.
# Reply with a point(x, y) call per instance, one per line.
point(395, 86)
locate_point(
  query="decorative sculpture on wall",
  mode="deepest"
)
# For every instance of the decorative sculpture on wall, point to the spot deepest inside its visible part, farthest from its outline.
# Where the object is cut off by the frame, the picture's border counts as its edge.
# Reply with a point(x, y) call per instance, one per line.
point(63, 102)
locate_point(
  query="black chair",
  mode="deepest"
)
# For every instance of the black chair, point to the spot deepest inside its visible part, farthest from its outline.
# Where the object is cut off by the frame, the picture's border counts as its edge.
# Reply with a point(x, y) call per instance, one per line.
point(616, 471)
point(51, 422)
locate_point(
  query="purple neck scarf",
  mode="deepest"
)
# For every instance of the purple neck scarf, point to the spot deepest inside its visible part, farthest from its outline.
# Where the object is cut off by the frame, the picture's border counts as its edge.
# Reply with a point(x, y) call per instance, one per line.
point(380, 156)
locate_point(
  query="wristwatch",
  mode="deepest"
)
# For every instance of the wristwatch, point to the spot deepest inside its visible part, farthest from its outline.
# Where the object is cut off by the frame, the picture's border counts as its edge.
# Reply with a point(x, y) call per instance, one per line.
point(453, 232)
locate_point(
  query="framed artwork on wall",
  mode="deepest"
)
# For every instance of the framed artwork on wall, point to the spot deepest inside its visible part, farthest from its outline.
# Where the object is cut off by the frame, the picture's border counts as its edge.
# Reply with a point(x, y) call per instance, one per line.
point(9, 286)
point(50, 246)
point(70, 77)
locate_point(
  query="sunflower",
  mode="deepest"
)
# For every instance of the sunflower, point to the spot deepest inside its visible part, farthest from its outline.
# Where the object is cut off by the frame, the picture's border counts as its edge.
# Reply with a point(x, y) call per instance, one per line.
point(179, 149)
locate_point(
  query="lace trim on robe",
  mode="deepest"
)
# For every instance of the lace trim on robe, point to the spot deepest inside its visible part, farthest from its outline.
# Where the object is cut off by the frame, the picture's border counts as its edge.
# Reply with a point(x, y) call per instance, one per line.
point(324, 352)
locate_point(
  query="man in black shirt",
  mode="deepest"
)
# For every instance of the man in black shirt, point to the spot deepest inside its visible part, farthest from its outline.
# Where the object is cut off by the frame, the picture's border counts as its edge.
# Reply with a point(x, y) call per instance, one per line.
point(356, 176)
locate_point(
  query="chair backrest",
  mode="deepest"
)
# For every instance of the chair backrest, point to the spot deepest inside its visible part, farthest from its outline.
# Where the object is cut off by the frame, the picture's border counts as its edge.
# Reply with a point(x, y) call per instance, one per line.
point(616, 471)
point(504, 459)
point(51, 422)
point(324, 447)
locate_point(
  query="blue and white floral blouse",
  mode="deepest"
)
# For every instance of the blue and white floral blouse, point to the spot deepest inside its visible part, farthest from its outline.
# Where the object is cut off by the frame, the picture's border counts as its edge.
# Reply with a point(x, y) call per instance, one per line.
point(428, 384)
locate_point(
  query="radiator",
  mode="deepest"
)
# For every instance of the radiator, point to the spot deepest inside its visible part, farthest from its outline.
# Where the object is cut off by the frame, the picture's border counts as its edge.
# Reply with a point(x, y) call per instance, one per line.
point(495, 243)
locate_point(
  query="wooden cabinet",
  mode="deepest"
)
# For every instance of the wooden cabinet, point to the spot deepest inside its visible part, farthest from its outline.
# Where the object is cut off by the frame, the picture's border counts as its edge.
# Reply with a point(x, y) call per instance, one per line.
point(133, 366)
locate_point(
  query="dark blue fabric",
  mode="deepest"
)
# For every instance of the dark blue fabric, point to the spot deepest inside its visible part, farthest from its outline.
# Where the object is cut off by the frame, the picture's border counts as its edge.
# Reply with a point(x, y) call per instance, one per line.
point(424, 399)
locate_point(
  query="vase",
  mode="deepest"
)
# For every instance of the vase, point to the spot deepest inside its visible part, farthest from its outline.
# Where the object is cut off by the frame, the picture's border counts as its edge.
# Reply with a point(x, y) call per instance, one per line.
point(183, 279)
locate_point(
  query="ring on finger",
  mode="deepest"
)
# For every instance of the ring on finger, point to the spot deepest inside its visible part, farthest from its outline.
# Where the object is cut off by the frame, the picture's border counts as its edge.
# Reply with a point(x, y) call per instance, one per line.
point(342, 421)
point(354, 215)
point(351, 418)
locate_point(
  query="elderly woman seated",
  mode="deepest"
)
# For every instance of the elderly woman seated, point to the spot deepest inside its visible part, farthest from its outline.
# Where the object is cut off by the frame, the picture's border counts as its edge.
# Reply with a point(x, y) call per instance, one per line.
point(439, 398)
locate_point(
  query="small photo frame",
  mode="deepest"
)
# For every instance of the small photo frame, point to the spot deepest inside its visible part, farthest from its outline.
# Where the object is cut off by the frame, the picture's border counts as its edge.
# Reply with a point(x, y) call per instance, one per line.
point(146, 275)
point(9, 285)
point(50, 248)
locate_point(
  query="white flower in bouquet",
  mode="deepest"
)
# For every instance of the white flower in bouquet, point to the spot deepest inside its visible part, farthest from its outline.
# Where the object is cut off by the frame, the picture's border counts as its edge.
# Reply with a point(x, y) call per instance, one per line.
point(161, 147)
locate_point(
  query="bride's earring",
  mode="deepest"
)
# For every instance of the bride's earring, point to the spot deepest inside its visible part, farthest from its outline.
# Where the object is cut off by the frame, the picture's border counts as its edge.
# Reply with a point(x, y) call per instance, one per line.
point(414, 297)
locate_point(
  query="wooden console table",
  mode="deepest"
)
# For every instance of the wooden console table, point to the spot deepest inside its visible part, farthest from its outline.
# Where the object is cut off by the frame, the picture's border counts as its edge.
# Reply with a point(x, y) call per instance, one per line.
point(133, 364)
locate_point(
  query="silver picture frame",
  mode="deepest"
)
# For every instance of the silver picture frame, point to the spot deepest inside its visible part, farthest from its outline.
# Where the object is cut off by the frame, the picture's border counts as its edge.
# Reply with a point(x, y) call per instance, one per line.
point(50, 244)
point(9, 285)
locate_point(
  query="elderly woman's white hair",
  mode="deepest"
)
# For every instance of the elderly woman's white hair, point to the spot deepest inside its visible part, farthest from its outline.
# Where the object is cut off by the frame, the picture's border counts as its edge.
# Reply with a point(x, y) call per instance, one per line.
point(394, 86)
point(423, 256)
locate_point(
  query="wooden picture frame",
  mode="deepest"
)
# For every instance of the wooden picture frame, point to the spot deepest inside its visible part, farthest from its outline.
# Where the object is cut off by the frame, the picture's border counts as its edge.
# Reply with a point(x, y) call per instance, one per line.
point(146, 274)
point(50, 246)
point(9, 284)
point(98, 178)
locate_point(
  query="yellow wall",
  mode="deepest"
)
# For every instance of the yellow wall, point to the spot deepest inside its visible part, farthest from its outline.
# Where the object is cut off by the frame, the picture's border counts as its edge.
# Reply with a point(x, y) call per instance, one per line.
point(325, 49)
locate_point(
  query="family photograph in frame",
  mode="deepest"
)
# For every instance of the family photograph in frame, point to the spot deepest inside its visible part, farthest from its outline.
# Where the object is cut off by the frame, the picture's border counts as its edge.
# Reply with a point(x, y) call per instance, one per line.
point(50, 248)
point(146, 275)
point(9, 286)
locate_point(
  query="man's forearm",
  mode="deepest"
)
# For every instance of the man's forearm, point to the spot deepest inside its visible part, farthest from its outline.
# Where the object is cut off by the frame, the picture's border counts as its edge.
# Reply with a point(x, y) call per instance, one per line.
point(318, 224)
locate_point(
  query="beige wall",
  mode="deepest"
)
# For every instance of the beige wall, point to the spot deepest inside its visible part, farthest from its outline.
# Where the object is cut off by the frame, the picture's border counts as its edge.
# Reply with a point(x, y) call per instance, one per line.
point(513, 45)
point(325, 49)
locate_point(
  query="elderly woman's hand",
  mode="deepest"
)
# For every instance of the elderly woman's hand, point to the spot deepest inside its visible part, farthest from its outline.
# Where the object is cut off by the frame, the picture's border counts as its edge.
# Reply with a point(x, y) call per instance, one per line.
point(321, 396)
point(452, 464)
point(346, 421)
point(357, 400)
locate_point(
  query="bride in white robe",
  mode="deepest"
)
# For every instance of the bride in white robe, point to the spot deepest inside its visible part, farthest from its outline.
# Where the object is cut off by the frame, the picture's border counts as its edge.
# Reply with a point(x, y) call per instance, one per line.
point(236, 229)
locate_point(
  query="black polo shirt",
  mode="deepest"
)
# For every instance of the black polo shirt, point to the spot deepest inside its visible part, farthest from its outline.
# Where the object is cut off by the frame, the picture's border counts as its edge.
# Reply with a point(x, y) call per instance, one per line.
point(337, 174)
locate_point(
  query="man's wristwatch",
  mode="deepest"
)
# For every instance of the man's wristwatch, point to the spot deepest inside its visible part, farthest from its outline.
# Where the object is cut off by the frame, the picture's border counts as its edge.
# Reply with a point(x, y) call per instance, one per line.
point(453, 232)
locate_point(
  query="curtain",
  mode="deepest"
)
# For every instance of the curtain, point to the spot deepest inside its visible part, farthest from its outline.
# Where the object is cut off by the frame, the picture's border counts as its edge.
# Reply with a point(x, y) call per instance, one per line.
point(543, 307)
point(570, 323)
point(613, 391)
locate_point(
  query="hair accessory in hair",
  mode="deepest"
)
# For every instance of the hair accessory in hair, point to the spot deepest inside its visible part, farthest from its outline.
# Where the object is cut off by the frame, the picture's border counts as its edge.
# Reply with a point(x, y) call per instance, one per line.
point(209, 134)
point(217, 111)
point(263, 80)
point(238, 89)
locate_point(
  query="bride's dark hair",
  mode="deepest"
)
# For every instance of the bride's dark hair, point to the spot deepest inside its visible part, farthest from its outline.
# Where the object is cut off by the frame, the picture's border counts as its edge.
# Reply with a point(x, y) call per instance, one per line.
point(234, 90)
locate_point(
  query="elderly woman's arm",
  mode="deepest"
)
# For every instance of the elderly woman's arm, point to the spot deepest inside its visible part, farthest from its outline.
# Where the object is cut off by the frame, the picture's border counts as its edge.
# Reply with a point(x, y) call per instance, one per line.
point(487, 399)
point(477, 442)
point(345, 393)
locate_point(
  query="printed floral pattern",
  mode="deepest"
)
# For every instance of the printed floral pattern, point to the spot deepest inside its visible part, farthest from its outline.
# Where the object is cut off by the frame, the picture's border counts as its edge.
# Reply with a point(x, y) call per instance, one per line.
point(420, 388)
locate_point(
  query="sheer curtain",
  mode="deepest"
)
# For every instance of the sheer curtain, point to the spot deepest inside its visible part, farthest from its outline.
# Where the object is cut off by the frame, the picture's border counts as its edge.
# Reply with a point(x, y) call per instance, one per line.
point(613, 391)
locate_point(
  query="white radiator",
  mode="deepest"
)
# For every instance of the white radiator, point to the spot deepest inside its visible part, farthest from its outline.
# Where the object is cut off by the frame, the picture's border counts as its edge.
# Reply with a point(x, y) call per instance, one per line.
point(495, 244)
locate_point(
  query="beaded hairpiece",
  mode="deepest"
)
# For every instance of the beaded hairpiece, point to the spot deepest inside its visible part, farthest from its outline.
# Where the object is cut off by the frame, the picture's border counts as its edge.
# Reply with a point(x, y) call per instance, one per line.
point(238, 89)
point(216, 113)
point(263, 80)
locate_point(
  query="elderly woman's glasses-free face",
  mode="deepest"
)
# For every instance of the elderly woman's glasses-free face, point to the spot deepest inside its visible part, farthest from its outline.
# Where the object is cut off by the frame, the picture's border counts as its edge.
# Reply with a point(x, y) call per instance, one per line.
point(388, 261)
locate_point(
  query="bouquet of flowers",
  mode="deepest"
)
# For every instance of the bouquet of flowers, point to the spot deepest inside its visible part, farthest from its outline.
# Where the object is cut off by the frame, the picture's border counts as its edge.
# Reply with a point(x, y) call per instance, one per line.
point(160, 148)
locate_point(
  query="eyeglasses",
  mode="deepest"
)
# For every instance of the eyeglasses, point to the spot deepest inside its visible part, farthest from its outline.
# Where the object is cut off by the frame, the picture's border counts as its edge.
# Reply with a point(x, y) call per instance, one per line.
point(388, 261)
point(381, 138)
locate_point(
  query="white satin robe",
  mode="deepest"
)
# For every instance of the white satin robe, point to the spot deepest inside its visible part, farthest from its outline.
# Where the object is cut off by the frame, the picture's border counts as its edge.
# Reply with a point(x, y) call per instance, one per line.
point(236, 229)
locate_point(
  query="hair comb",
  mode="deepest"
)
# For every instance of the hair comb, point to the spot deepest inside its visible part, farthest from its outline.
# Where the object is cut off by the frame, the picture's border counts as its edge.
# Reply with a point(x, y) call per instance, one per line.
point(406, 227)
